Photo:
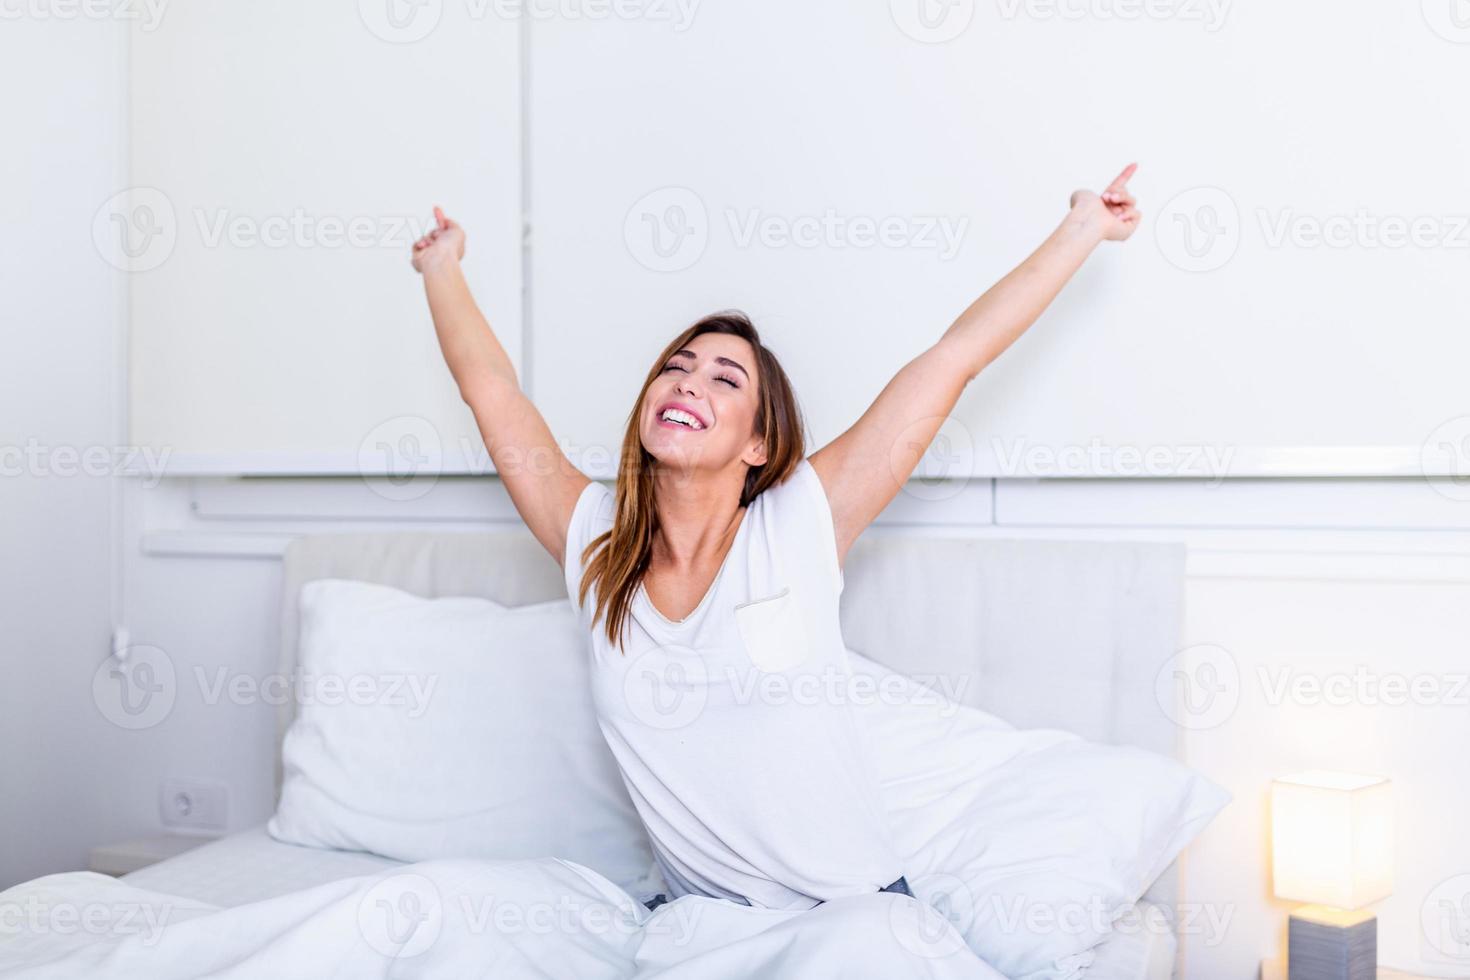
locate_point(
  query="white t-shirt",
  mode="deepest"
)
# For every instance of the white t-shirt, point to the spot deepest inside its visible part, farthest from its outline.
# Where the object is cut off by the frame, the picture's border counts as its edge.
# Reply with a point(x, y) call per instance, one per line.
point(744, 758)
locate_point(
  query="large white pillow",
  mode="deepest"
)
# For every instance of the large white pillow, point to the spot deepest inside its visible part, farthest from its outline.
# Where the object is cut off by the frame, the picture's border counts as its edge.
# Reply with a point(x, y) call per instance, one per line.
point(452, 727)
point(1030, 842)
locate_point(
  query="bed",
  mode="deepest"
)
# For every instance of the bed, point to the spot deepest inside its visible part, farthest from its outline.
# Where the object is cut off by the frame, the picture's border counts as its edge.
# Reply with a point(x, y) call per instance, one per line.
point(250, 866)
point(1064, 635)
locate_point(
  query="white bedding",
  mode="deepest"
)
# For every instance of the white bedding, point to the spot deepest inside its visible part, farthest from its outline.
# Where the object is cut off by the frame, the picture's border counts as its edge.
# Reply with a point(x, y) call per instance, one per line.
point(1143, 954)
point(541, 917)
point(251, 866)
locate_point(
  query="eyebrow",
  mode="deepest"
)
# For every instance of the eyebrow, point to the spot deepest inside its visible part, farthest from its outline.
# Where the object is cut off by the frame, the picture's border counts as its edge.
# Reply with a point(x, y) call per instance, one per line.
point(686, 352)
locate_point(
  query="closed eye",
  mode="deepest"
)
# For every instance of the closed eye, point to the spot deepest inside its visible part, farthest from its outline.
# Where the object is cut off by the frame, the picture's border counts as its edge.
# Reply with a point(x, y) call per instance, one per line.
point(722, 377)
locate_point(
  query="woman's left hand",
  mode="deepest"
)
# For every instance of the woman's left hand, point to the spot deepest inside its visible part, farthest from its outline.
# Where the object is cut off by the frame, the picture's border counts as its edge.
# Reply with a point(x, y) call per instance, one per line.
point(1114, 210)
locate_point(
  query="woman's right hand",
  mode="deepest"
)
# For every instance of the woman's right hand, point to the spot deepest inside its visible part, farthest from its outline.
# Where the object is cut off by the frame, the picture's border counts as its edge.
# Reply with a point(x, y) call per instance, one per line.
point(444, 244)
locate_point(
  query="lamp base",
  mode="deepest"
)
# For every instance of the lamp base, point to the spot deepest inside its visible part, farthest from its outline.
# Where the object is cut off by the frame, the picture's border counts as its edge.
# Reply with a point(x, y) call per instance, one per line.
point(1331, 944)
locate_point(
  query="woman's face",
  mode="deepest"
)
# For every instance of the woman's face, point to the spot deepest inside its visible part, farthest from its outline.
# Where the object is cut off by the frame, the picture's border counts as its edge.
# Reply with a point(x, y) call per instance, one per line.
point(700, 410)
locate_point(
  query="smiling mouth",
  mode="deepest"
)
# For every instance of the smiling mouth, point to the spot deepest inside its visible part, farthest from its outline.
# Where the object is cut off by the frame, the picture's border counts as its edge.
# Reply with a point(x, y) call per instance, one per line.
point(680, 419)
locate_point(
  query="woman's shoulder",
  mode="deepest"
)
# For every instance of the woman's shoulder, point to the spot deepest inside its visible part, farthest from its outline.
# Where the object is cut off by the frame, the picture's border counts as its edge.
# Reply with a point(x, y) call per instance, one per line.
point(801, 490)
point(798, 515)
point(592, 515)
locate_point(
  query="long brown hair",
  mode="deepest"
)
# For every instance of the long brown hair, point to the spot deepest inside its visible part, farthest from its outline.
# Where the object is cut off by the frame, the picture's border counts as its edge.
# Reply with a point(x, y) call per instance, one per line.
point(620, 556)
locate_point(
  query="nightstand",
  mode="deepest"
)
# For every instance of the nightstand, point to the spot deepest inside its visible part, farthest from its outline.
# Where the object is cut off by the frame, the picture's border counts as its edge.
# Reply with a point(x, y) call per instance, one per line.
point(130, 855)
point(1276, 970)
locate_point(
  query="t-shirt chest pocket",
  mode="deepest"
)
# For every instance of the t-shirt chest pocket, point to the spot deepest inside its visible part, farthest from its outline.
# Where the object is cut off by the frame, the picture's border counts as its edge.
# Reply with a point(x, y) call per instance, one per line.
point(772, 631)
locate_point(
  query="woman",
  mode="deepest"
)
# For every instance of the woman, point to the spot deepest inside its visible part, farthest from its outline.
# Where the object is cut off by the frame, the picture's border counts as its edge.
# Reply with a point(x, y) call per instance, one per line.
point(715, 569)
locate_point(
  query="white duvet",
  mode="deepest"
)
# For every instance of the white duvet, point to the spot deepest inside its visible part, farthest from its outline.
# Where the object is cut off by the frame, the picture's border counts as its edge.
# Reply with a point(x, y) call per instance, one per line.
point(465, 918)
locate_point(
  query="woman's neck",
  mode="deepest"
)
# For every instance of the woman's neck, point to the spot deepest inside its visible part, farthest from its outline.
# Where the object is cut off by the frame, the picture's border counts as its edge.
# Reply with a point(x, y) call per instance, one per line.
point(698, 516)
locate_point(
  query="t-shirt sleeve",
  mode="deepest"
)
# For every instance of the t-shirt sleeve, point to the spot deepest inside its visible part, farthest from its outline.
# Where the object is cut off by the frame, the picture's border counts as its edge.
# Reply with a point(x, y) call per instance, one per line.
point(592, 515)
point(801, 505)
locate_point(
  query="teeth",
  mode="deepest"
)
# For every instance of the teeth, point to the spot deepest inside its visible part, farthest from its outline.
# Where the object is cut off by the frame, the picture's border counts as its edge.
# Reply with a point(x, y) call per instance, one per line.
point(684, 418)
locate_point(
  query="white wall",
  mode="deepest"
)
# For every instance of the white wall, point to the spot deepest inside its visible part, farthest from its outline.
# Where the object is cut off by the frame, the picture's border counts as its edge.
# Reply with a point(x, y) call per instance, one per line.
point(1314, 578)
point(59, 380)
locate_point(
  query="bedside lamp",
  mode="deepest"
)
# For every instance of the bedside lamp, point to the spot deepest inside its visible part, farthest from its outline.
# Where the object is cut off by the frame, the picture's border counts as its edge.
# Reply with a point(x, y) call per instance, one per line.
point(1332, 846)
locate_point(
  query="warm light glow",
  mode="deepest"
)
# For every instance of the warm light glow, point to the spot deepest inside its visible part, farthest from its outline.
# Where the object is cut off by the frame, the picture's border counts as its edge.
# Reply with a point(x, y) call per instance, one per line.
point(1332, 838)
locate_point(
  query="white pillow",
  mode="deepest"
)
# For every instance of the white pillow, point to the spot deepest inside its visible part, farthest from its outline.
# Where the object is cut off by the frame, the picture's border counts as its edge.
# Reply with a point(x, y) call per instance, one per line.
point(1030, 842)
point(451, 727)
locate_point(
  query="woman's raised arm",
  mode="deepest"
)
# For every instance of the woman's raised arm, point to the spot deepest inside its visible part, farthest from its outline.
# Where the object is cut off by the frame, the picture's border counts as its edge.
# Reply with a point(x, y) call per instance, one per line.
point(543, 483)
point(865, 467)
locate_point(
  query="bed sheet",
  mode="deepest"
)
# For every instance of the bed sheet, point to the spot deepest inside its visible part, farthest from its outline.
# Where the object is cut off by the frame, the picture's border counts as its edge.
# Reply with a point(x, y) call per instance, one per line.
point(1136, 951)
point(251, 866)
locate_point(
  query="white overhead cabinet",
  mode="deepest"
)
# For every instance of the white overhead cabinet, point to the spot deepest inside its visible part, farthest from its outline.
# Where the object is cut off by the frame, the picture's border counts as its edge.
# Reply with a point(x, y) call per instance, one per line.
point(854, 174)
point(284, 158)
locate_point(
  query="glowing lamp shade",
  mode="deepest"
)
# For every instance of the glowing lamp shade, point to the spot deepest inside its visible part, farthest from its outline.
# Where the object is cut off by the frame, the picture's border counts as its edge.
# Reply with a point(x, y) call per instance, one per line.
point(1332, 838)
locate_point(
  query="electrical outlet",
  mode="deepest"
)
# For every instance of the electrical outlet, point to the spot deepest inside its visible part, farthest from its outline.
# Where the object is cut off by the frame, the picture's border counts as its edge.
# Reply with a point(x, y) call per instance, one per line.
point(194, 806)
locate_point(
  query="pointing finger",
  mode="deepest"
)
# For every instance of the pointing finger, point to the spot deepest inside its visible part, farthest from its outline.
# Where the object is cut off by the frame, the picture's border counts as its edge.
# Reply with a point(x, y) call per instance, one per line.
point(1122, 179)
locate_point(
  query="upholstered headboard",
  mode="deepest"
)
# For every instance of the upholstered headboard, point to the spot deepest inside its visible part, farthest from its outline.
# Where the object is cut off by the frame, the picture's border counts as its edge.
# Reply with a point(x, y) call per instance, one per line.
point(1054, 634)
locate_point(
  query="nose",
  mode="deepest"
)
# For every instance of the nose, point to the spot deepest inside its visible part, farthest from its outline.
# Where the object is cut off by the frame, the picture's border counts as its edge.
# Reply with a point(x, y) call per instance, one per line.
point(685, 385)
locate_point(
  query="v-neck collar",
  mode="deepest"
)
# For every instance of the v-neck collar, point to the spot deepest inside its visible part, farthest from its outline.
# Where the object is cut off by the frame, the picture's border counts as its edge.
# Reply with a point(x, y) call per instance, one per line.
point(713, 586)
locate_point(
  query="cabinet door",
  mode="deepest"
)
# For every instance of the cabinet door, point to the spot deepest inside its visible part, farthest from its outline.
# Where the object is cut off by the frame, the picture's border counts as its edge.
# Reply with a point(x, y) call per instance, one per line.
point(853, 175)
point(284, 158)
